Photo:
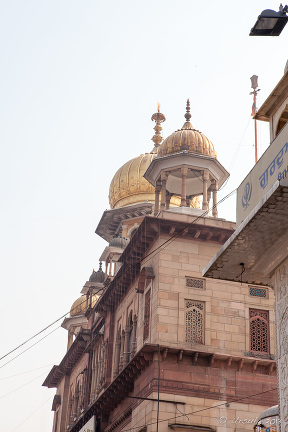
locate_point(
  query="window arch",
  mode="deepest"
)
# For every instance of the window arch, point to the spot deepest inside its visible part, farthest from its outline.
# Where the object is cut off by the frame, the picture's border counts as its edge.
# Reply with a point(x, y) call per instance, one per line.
point(259, 331)
point(194, 317)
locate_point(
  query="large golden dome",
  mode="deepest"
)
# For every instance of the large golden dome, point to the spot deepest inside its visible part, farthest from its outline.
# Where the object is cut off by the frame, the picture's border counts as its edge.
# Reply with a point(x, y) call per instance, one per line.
point(81, 305)
point(187, 139)
point(128, 185)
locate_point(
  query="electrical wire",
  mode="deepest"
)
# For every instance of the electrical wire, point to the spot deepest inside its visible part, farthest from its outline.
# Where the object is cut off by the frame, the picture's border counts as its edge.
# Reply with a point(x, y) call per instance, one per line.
point(23, 385)
point(27, 418)
point(41, 331)
point(31, 346)
point(155, 251)
point(198, 411)
point(172, 238)
point(22, 373)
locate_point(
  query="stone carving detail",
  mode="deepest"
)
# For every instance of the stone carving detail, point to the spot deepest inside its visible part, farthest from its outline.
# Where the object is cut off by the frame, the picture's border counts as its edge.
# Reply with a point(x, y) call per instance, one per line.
point(281, 282)
point(195, 283)
point(284, 369)
point(259, 330)
point(194, 321)
point(283, 333)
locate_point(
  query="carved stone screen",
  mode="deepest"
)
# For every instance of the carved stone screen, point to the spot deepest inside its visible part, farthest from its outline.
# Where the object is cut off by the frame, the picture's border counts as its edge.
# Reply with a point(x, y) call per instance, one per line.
point(194, 316)
point(259, 330)
point(195, 283)
point(257, 292)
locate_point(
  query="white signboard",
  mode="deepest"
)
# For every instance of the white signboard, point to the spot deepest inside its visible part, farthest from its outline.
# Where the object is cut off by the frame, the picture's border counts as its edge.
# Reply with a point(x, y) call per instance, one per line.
point(89, 426)
point(272, 166)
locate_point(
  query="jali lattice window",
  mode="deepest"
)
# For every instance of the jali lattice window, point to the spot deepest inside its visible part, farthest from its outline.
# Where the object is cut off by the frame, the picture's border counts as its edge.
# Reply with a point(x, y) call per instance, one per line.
point(258, 292)
point(259, 330)
point(195, 283)
point(194, 316)
point(147, 314)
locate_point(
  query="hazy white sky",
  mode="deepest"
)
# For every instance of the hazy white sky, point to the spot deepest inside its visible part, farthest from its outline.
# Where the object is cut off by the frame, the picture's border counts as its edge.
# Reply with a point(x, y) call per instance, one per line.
point(79, 83)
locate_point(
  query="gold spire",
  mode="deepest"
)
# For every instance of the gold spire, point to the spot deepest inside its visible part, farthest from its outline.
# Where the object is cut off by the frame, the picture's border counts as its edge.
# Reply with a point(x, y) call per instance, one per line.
point(157, 138)
point(187, 124)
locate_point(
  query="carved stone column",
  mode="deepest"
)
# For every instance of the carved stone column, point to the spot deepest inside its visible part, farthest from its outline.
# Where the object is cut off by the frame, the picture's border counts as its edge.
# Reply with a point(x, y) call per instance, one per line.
point(134, 341)
point(215, 189)
point(122, 351)
point(117, 355)
point(183, 186)
point(70, 339)
point(126, 345)
point(168, 198)
point(189, 200)
point(205, 188)
point(110, 266)
point(157, 196)
point(163, 191)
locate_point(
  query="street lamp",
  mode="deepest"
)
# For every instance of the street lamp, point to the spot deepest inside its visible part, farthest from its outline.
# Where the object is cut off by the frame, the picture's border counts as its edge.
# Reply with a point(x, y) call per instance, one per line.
point(270, 23)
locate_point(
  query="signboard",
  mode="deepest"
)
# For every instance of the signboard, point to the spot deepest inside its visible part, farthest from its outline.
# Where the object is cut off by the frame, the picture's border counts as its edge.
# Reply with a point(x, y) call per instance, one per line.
point(89, 426)
point(272, 166)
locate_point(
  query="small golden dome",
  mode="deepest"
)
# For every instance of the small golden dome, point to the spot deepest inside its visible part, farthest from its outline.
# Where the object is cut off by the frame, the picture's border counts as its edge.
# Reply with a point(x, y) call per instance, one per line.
point(187, 139)
point(80, 306)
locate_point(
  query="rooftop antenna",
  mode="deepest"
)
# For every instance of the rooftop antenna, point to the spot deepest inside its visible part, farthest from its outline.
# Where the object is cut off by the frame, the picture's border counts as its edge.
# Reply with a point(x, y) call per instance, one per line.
point(254, 85)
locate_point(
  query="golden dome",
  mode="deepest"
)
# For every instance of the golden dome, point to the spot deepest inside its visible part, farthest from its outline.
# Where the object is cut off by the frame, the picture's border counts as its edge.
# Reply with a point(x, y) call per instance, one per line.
point(128, 185)
point(187, 139)
point(80, 306)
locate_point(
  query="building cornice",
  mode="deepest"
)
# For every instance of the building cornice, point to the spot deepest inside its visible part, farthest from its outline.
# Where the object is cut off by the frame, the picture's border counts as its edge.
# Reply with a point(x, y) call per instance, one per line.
point(70, 359)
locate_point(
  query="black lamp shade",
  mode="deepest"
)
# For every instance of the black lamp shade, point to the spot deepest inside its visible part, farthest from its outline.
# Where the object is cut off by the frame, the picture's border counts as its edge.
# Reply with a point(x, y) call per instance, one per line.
point(269, 23)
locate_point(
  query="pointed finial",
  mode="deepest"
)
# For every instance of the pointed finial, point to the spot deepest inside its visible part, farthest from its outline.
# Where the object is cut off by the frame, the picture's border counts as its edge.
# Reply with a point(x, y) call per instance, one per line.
point(187, 125)
point(100, 265)
point(188, 115)
point(157, 138)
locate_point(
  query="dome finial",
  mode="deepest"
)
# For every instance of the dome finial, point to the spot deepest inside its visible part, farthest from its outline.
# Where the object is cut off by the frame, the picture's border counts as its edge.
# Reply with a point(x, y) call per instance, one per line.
point(187, 125)
point(188, 115)
point(157, 138)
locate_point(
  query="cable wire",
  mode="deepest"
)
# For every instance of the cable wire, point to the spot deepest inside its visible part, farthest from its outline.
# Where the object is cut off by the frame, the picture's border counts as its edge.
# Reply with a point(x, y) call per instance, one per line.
point(41, 331)
point(23, 385)
point(200, 410)
point(155, 251)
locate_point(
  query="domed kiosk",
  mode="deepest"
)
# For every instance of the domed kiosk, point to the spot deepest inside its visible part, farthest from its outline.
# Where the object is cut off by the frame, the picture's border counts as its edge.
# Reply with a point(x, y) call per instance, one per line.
point(186, 165)
point(131, 195)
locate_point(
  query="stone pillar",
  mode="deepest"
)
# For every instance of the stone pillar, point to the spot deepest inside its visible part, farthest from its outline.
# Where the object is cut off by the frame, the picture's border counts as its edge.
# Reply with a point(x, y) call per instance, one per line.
point(184, 186)
point(157, 196)
point(134, 339)
point(106, 269)
point(189, 200)
point(117, 355)
point(215, 189)
point(126, 345)
point(163, 192)
point(209, 191)
point(122, 351)
point(168, 198)
point(110, 266)
point(205, 189)
point(70, 339)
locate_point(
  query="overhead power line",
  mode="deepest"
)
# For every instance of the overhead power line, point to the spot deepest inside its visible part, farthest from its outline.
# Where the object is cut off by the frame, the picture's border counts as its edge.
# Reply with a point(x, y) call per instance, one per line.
point(155, 251)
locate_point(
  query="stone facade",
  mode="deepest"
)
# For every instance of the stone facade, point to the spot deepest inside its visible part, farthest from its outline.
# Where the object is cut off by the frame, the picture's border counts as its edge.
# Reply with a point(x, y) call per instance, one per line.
point(164, 348)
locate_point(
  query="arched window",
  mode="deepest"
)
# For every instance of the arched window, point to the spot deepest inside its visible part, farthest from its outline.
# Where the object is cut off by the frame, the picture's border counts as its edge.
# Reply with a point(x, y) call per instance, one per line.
point(194, 317)
point(259, 330)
